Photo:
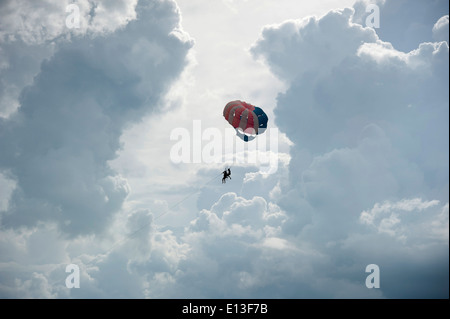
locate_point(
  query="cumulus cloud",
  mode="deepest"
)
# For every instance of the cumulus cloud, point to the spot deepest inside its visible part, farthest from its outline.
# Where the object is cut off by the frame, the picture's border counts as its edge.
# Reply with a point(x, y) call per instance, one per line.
point(330, 108)
point(404, 23)
point(390, 218)
point(219, 255)
point(317, 42)
point(238, 245)
point(440, 29)
point(36, 23)
point(30, 32)
point(58, 144)
point(367, 121)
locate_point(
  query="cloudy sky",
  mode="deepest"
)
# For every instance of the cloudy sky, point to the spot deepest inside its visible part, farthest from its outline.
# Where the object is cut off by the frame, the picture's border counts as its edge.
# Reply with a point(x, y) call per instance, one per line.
point(353, 169)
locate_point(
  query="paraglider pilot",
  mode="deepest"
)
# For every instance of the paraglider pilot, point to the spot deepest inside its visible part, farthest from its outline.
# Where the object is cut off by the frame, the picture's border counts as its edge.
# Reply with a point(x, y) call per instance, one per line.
point(226, 174)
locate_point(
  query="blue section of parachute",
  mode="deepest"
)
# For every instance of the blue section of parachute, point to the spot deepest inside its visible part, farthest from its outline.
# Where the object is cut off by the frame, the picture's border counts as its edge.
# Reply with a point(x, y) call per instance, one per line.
point(262, 117)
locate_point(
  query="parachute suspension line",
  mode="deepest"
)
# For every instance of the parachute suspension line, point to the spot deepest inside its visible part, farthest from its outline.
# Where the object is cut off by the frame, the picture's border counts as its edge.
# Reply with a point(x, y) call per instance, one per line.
point(179, 202)
point(128, 236)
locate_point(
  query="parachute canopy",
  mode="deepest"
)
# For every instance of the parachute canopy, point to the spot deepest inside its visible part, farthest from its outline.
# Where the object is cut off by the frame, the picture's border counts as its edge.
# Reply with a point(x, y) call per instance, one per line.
point(247, 119)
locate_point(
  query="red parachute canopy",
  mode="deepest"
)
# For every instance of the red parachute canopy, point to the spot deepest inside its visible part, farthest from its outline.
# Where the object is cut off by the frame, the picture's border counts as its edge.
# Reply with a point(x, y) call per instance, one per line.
point(247, 119)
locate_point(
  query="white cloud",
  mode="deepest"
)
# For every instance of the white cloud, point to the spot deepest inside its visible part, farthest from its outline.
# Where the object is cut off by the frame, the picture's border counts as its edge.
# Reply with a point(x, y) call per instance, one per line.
point(36, 287)
point(439, 226)
point(317, 42)
point(392, 218)
point(37, 23)
point(440, 29)
point(108, 16)
point(404, 23)
point(408, 205)
point(360, 113)
point(31, 31)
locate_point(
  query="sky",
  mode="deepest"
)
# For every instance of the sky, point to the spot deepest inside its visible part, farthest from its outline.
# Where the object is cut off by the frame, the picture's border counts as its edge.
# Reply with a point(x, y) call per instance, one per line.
point(112, 144)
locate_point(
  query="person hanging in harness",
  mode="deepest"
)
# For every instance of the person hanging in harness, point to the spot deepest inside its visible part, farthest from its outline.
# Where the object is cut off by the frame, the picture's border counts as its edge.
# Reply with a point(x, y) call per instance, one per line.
point(226, 174)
